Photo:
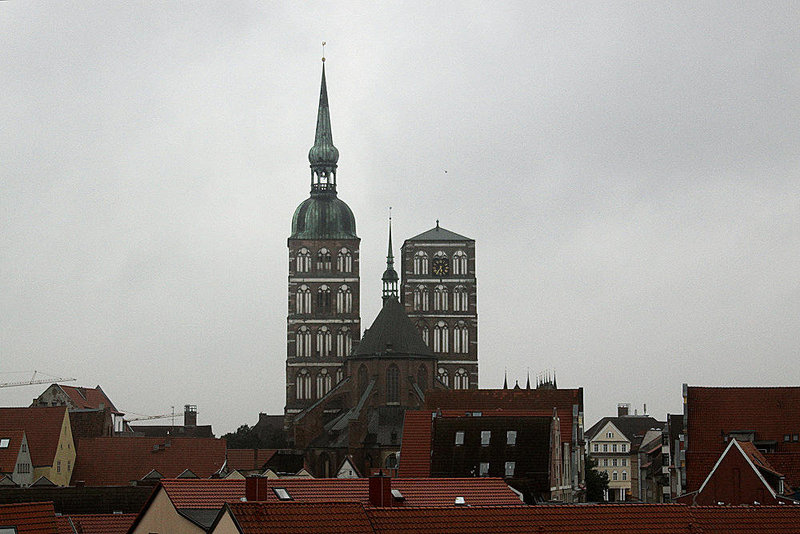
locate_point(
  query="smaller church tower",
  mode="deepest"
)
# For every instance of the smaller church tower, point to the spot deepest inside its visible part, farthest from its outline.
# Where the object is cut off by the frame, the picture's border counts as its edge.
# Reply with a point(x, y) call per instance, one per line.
point(390, 275)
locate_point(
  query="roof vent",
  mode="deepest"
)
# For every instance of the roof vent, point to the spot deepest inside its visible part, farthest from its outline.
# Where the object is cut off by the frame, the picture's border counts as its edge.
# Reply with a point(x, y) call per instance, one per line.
point(460, 501)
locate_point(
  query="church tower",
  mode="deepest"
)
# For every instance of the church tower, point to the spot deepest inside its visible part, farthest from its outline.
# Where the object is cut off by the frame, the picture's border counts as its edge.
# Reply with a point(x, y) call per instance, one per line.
point(323, 319)
point(439, 292)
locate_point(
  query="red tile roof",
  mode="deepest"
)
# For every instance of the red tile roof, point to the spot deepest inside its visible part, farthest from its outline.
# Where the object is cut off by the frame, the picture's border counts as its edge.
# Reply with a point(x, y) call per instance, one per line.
point(417, 491)
point(8, 455)
point(42, 426)
point(88, 398)
point(301, 518)
point(712, 413)
point(64, 525)
point(756, 457)
point(117, 461)
point(415, 448)
point(203, 493)
point(249, 459)
point(96, 523)
point(29, 518)
point(787, 463)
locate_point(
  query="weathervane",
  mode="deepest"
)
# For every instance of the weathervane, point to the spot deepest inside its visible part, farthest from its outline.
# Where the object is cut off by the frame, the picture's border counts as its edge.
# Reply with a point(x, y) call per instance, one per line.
point(323, 51)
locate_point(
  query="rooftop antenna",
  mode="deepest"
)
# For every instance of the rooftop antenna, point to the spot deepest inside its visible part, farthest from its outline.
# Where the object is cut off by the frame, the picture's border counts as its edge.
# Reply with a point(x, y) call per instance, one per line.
point(323, 51)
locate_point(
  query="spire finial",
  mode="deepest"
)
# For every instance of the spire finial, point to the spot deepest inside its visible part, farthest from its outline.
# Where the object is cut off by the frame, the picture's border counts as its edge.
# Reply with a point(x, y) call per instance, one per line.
point(323, 156)
point(505, 378)
point(323, 51)
point(437, 223)
point(389, 275)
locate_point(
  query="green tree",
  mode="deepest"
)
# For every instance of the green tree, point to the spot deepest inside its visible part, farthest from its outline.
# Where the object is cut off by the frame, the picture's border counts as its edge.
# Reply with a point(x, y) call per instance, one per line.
point(596, 481)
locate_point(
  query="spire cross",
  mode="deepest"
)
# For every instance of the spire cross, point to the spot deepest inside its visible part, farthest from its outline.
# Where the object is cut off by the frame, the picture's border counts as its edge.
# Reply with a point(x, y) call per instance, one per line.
point(323, 51)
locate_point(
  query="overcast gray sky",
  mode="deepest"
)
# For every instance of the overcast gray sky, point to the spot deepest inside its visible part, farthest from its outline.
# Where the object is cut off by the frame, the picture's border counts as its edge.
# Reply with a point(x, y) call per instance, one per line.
point(629, 172)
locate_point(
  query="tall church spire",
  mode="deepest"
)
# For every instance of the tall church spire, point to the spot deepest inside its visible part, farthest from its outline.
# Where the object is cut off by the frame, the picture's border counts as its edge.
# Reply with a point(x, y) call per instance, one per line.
point(323, 156)
point(390, 275)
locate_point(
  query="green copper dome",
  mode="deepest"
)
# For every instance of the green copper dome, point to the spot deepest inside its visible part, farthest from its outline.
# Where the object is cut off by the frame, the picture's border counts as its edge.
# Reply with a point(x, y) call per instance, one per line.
point(323, 216)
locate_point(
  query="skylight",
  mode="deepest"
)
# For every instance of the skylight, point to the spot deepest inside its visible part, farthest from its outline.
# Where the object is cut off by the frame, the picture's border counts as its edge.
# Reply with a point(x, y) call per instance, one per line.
point(460, 501)
point(282, 494)
point(397, 495)
point(4, 443)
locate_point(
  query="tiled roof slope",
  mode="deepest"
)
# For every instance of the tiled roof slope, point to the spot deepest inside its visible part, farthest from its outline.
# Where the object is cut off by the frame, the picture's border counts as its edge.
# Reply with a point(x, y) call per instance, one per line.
point(203, 493)
point(248, 459)
point(301, 518)
point(788, 464)
point(42, 426)
point(29, 518)
point(118, 461)
point(85, 500)
point(415, 448)
point(8, 455)
point(89, 398)
point(392, 334)
point(529, 401)
point(712, 413)
point(438, 233)
point(95, 523)
point(417, 491)
point(757, 458)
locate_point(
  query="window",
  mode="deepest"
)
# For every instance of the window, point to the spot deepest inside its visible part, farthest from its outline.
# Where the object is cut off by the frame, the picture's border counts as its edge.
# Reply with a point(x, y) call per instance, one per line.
point(58, 466)
point(460, 437)
point(460, 262)
point(614, 462)
point(4, 443)
point(69, 465)
point(393, 384)
point(421, 300)
point(24, 447)
point(605, 447)
point(443, 377)
point(324, 339)
point(461, 338)
point(422, 378)
point(303, 261)
point(483, 469)
point(486, 436)
point(441, 337)
point(423, 332)
point(324, 260)
point(610, 435)
point(303, 342)
point(303, 385)
point(420, 263)
point(795, 437)
point(786, 437)
point(511, 437)
point(510, 468)
point(624, 447)
point(282, 494)
point(324, 299)
point(344, 343)
point(614, 447)
point(362, 378)
point(303, 300)
point(614, 476)
point(460, 299)
point(344, 300)
point(605, 462)
point(596, 447)
point(8, 530)
point(440, 298)
point(624, 475)
point(323, 383)
point(624, 462)
point(461, 379)
point(344, 261)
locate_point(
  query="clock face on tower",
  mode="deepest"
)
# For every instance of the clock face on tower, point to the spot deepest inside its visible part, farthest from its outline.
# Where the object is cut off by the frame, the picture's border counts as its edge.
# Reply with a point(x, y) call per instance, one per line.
point(441, 266)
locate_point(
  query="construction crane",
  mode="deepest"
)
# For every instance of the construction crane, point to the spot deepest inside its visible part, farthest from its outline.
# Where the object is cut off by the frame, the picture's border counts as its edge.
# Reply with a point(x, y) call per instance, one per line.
point(151, 417)
point(49, 380)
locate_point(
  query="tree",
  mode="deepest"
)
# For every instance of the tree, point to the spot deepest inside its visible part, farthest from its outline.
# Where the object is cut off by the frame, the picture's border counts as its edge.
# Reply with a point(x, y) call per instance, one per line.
point(243, 438)
point(596, 481)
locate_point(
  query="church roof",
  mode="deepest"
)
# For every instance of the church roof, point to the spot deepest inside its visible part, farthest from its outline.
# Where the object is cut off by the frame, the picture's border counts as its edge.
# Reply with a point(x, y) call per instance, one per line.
point(323, 216)
point(392, 335)
point(439, 234)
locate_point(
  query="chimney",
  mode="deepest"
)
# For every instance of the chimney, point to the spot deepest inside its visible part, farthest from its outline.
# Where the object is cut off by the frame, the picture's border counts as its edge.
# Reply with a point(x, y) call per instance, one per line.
point(380, 490)
point(623, 409)
point(256, 488)
point(190, 415)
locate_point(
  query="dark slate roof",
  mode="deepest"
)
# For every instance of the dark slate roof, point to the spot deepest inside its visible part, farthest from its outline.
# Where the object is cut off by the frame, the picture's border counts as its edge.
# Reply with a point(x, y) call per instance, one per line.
point(323, 216)
point(630, 425)
point(439, 234)
point(392, 335)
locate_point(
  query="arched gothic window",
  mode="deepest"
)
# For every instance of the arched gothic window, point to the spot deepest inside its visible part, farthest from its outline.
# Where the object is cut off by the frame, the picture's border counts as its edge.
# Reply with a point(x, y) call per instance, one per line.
point(324, 342)
point(420, 262)
point(393, 384)
point(362, 378)
point(461, 379)
point(421, 298)
point(423, 332)
point(443, 376)
point(461, 338)
point(303, 300)
point(324, 299)
point(460, 299)
point(440, 298)
point(324, 260)
point(441, 337)
point(344, 343)
point(303, 261)
point(344, 261)
point(323, 383)
point(422, 378)
point(339, 375)
point(303, 384)
point(460, 262)
point(303, 342)
point(344, 300)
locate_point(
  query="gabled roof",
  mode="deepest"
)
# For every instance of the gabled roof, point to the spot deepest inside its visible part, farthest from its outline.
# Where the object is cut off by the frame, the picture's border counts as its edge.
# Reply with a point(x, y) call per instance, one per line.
point(438, 233)
point(754, 460)
point(89, 398)
point(249, 459)
point(392, 335)
point(29, 518)
point(203, 493)
point(99, 461)
point(8, 455)
point(95, 523)
point(42, 426)
point(632, 426)
point(299, 518)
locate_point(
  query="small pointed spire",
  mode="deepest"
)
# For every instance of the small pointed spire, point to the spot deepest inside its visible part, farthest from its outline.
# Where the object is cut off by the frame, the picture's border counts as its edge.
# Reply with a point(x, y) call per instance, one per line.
point(528, 385)
point(505, 379)
point(323, 156)
point(390, 275)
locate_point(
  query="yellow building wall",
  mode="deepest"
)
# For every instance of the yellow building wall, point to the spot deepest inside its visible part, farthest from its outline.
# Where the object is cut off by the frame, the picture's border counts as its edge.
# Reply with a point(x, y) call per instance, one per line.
point(161, 517)
point(60, 472)
point(225, 526)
